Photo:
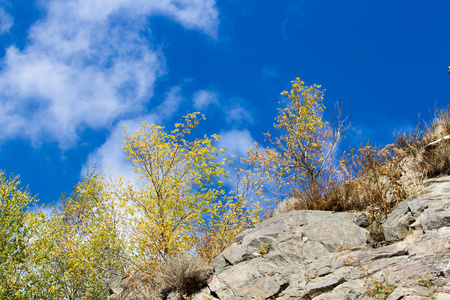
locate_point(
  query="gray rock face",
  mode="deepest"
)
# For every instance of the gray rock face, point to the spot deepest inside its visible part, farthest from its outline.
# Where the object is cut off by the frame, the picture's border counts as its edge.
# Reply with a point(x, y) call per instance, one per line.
point(325, 255)
point(424, 213)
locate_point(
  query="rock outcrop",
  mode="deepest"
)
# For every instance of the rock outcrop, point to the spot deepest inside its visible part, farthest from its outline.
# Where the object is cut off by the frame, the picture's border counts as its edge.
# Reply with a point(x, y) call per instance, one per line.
point(327, 255)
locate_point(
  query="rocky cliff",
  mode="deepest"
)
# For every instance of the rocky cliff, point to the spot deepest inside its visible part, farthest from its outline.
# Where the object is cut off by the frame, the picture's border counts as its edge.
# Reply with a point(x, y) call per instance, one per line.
point(326, 255)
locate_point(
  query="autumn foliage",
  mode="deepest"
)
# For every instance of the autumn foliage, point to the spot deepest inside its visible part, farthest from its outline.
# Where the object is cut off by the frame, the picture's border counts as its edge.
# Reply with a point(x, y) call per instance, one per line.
point(14, 235)
point(302, 152)
point(189, 200)
point(178, 180)
point(181, 199)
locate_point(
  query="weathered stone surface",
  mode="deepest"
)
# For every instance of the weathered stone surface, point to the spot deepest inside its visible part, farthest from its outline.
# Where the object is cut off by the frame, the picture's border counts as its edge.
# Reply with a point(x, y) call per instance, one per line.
point(325, 255)
point(362, 220)
point(425, 212)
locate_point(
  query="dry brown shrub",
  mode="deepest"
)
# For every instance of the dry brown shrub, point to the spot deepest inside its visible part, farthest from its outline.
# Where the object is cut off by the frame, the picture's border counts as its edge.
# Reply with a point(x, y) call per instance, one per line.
point(374, 175)
point(439, 126)
point(435, 160)
point(410, 143)
point(140, 285)
point(207, 247)
point(368, 179)
point(287, 205)
point(429, 160)
point(376, 186)
point(184, 274)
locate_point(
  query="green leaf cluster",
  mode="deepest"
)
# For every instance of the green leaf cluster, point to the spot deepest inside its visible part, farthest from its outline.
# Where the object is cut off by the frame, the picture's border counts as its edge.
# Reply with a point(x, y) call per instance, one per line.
point(14, 236)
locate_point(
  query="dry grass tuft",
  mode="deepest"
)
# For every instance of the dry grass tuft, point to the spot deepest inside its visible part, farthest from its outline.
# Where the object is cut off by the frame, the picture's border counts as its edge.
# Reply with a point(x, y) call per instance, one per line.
point(184, 274)
point(436, 160)
point(439, 127)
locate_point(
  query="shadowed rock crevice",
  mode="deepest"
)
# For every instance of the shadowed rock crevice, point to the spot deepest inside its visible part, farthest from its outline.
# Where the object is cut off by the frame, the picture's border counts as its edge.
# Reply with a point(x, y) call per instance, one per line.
point(282, 288)
point(324, 286)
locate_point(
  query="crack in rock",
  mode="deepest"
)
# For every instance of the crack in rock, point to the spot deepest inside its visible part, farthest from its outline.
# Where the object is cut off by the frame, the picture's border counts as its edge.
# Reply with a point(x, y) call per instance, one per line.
point(324, 286)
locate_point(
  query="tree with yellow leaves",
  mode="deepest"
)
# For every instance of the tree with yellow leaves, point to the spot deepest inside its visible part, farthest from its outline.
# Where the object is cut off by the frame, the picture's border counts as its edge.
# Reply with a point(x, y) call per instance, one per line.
point(176, 186)
point(14, 236)
point(303, 151)
point(108, 226)
point(180, 193)
point(78, 246)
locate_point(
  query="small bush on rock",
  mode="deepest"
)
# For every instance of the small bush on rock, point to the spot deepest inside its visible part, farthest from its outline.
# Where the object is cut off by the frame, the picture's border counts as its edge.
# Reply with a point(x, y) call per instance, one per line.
point(184, 274)
point(374, 185)
point(439, 126)
point(379, 288)
point(436, 160)
point(428, 146)
point(412, 142)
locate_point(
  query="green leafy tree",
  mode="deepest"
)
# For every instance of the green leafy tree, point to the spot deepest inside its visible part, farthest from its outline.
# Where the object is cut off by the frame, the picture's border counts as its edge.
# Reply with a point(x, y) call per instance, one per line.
point(109, 226)
point(78, 246)
point(14, 236)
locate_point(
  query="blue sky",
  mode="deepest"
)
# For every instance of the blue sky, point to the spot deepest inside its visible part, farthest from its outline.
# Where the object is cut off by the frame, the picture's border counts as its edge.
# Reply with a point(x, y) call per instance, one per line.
point(74, 72)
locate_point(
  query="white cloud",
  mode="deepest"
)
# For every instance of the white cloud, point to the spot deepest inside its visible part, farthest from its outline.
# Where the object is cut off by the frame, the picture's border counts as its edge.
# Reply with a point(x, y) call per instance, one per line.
point(6, 21)
point(236, 142)
point(204, 98)
point(238, 114)
point(87, 65)
point(171, 103)
point(110, 157)
point(192, 14)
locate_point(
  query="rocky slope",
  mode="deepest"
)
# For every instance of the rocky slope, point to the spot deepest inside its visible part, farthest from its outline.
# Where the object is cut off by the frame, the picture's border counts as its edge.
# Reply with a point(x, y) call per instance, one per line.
point(326, 255)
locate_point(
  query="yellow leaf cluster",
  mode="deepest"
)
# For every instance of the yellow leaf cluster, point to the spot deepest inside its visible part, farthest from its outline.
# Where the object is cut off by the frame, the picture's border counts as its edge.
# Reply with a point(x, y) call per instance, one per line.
point(301, 156)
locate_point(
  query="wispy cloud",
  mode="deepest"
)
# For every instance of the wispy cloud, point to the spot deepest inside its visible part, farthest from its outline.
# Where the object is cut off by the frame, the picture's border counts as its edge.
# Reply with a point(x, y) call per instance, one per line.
point(110, 158)
point(192, 14)
point(236, 142)
point(235, 109)
point(6, 21)
point(87, 64)
point(238, 114)
point(204, 98)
